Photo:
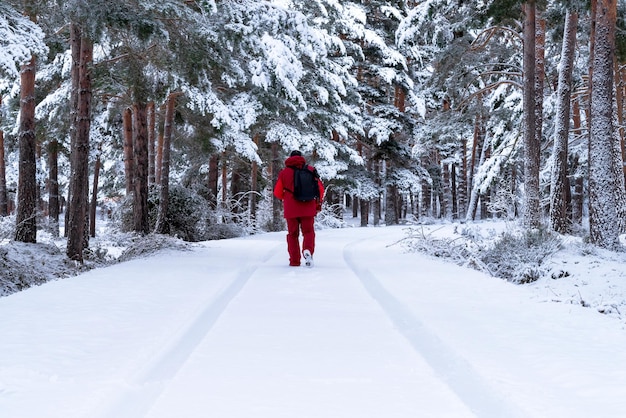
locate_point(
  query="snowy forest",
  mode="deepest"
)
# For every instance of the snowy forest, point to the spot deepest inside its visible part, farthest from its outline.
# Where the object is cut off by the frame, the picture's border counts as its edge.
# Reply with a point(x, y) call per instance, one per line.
point(175, 116)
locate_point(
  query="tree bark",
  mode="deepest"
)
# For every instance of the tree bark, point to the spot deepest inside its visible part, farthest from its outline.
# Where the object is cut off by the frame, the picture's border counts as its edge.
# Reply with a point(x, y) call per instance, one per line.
point(53, 186)
point(214, 168)
point(453, 192)
point(4, 199)
point(531, 214)
point(140, 173)
point(576, 199)
point(559, 221)
point(94, 198)
point(151, 143)
point(475, 193)
point(80, 157)
point(603, 210)
point(463, 187)
point(129, 165)
point(254, 185)
point(162, 224)
point(75, 35)
point(276, 166)
point(26, 219)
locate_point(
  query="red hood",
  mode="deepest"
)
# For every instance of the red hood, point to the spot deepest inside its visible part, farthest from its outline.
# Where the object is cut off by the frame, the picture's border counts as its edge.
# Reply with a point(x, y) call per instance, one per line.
point(296, 161)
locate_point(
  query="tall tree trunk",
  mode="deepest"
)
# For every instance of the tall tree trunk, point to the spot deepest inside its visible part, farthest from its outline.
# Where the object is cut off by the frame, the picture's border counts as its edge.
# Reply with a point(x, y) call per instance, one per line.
point(603, 210)
point(620, 80)
point(162, 224)
point(26, 228)
point(391, 205)
point(80, 157)
point(75, 36)
point(475, 194)
point(453, 192)
point(559, 185)
point(376, 206)
point(224, 170)
point(254, 185)
point(129, 165)
point(446, 200)
point(576, 200)
point(540, 76)
point(463, 187)
point(140, 175)
point(276, 204)
point(364, 207)
point(4, 199)
point(214, 165)
point(53, 186)
point(151, 143)
point(159, 158)
point(94, 197)
point(531, 214)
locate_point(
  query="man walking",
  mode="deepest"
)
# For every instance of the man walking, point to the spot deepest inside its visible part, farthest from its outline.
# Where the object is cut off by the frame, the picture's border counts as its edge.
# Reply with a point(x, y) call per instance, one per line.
point(299, 211)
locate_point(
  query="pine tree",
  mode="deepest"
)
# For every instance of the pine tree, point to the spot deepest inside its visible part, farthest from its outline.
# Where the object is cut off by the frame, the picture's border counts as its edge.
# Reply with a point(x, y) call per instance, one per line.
point(26, 217)
point(559, 182)
point(604, 185)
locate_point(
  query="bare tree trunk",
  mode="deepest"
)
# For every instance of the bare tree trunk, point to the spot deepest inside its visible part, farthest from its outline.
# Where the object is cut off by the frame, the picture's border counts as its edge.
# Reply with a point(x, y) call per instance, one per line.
point(94, 198)
point(276, 204)
point(254, 173)
point(80, 156)
point(463, 188)
point(214, 164)
point(140, 176)
point(559, 185)
point(453, 192)
point(576, 200)
point(159, 158)
point(476, 159)
point(391, 205)
point(376, 201)
point(446, 200)
point(129, 164)
point(53, 186)
point(151, 143)
point(75, 35)
point(224, 180)
point(620, 79)
point(26, 228)
point(4, 201)
point(162, 224)
point(365, 211)
point(540, 76)
point(603, 210)
point(531, 214)
point(475, 193)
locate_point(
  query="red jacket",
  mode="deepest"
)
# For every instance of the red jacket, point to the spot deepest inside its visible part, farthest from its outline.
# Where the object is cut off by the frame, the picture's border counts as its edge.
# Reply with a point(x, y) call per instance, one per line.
point(292, 207)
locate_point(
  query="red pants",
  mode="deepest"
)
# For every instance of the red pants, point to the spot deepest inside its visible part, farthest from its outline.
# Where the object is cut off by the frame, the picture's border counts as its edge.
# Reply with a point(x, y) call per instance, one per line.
point(294, 225)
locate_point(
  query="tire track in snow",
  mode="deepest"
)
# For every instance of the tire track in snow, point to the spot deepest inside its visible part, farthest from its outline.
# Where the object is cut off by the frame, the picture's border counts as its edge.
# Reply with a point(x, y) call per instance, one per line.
point(481, 397)
point(144, 389)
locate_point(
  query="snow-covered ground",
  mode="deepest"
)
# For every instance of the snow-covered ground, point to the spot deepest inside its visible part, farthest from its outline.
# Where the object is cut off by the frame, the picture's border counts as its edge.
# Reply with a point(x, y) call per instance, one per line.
point(227, 329)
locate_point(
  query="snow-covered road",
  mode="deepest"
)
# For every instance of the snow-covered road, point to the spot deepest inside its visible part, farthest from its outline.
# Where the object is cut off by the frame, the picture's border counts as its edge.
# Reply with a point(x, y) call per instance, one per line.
point(229, 330)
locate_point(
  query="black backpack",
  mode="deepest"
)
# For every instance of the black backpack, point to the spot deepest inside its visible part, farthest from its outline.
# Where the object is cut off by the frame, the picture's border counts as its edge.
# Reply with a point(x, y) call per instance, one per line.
point(305, 187)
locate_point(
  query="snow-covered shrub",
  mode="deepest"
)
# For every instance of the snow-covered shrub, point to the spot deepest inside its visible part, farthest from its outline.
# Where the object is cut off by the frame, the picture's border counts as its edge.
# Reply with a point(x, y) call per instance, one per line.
point(454, 248)
point(327, 218)
point(518, 256)
point(232, 217)
point(190, 216)
point(7, 227)
point(141, 246)
point(187, 213)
